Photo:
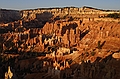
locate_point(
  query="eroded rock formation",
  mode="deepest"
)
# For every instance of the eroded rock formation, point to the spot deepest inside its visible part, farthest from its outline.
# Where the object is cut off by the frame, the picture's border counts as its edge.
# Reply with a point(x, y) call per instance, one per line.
point(52, 43)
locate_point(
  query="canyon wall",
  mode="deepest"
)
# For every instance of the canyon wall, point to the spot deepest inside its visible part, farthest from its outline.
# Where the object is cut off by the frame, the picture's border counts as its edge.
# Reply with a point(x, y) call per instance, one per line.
point(83, 12)
point(9, 15)
point(47, 13)
point(60, 43)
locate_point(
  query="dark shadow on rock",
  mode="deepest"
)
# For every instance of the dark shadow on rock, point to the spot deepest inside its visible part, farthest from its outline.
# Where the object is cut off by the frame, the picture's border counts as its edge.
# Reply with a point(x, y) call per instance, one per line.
point(9, 15)
point(103, 44)
point(44, 17)
point(84, 33)
point(107, 68)
point(68, 27)
point(39, 21)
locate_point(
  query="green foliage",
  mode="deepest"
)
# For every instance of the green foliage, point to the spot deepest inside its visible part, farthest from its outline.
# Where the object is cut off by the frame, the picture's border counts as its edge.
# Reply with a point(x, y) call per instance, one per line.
point(3, 59)
point(71, 19)
point(87, 54)
point(9, 44)
point(114, 15)
point(65, 16)
point(93, 53)
point(57, 18)
point(99, 46)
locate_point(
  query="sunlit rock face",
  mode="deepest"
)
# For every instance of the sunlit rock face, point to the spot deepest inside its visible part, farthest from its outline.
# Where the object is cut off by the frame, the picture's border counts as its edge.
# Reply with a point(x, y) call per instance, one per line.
point(8, 74)
point(59, 43)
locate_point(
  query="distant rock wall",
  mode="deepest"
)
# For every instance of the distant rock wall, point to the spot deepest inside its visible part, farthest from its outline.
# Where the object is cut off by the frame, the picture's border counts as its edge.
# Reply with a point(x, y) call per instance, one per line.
point(44, 14)
point(83, 12)
point(9, 15)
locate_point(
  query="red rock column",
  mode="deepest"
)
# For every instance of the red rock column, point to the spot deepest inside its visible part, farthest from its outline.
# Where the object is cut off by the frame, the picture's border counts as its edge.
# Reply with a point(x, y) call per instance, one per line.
point(72, 37)
point(12, 25)
point(40, 39)
point(65, 38)
point(78, 33)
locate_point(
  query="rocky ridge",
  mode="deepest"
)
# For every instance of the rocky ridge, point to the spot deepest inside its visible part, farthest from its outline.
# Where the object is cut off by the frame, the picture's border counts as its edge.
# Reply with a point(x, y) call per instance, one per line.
point(57, 47)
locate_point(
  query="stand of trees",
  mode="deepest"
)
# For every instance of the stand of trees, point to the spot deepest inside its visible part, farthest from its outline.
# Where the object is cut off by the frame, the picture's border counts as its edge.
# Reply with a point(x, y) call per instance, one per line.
point(113, 15)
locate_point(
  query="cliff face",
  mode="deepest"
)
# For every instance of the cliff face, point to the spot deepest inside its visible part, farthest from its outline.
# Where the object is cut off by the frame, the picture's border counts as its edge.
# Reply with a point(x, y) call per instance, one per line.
point(83, 12)
point(52, 43)
point(44, 13)
point(77, 34)
point(80, 49)
point(9, 15)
